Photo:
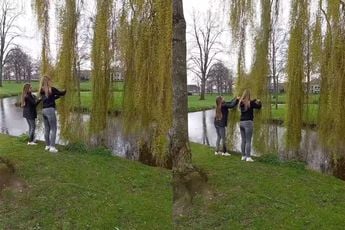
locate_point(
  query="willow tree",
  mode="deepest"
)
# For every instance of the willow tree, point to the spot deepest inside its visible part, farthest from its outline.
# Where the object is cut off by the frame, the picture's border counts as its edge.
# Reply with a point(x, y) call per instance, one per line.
point(100, 73)
point(260, 78)
point(296, 76)
point(241, 17)
point(145, 43)
point(41, 8)
point(332, 70)
point(66, 71)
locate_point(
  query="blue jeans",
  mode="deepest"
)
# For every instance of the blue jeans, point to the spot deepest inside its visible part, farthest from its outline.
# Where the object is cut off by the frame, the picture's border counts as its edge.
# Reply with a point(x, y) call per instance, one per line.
point(32, 127)
point(246, 128)
point(50, 126)
point(220, 136)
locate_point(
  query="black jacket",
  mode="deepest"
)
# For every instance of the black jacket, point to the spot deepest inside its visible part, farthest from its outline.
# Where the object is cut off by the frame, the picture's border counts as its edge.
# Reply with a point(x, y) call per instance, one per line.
point(29, 110)
point(249, 114)
point(49, 101)
point(225, 111)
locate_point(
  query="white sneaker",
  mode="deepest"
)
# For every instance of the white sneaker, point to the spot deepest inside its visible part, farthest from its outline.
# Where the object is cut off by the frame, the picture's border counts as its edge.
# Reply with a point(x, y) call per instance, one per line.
point(217, 153)
point(249, 159)
point(243, 158)
point(53, 150)
point(32, 143)
point(226, 154)
point(47, 148)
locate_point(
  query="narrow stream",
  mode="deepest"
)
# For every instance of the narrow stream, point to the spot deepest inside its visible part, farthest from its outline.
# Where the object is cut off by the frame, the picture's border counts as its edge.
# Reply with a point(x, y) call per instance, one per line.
point(200, 127)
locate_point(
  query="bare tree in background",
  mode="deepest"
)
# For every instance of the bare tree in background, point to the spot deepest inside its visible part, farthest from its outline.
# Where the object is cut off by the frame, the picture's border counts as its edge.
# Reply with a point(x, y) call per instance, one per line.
point(220, 77)
point(18, 64)
point(277, 51)
point(206, 47)
point(8, 30)
point(84, 41)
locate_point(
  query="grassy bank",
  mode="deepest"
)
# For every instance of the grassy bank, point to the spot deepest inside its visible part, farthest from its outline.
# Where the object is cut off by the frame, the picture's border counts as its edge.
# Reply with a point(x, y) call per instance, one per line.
point(86, 101)
point(11, 88)
point(280, 113)
point(194, 103)
point(92, 190)
point(312, 99)
point(264, 195)
point(86, 86)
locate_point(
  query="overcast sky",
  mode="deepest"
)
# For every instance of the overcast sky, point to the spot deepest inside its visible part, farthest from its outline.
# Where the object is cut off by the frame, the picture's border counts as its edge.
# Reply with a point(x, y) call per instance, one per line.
point(31, 39)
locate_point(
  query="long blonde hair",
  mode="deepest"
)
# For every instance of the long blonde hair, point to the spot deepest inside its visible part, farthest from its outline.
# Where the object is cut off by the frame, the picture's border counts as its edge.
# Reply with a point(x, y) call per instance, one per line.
point(25, 91)
point(245, 99)
point(46, 85)
point(219, 101)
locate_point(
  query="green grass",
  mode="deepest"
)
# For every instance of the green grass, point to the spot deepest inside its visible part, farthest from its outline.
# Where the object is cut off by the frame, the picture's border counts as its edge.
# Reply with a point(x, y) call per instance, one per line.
point(86, 86)
point(11, 88)
point(313, 98)
point(195, 104)
point(280, 113)
point(72, 190)
point(86, 101)
point(264, 195)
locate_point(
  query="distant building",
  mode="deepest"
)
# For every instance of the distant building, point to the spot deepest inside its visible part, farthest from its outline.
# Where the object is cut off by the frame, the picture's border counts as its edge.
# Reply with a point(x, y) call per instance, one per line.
point(85, 75)
point(281, 88)
point(193, 89)
point(314, 86)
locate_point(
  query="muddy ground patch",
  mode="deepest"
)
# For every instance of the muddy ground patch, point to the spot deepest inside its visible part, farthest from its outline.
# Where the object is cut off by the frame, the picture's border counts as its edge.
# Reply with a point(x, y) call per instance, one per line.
point(8, 178)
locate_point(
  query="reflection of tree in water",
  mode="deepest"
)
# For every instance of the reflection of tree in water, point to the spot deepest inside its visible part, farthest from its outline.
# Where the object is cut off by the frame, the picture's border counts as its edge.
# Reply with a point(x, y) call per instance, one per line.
point(273, 138)
point(3, 128)
point(205, 140)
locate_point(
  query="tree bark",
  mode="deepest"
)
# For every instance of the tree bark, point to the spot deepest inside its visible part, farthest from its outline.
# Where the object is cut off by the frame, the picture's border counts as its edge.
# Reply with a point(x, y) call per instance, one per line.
point(203, 87)
point(180, 149)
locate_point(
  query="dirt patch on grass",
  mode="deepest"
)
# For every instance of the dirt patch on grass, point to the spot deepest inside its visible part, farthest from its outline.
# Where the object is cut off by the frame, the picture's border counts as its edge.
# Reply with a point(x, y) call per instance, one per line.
point(8, 179)
point(186, 187)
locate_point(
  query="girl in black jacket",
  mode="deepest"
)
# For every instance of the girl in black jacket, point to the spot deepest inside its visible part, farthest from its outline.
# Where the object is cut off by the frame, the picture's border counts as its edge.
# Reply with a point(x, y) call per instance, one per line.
point(221, 121)
point(29, 103)
point(247, 107)
point(49, 94)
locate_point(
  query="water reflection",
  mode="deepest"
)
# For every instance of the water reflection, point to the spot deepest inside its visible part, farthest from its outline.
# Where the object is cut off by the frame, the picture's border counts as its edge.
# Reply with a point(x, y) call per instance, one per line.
point(3, 128)
point(205, 140)
point(310, 150)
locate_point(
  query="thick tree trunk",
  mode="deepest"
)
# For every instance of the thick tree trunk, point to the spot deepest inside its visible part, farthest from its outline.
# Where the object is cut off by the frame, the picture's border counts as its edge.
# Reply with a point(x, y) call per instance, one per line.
point(180, 150)
point(187, 181)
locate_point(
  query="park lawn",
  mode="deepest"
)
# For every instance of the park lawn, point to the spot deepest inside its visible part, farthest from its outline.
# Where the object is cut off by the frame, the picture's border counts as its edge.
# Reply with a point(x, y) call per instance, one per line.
point(11, 88)
point(280, 113)
point(89, 190)
point(86, 101)
point(195, 104)
point(313, 98)
point(264, 195)
point(86, 86)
